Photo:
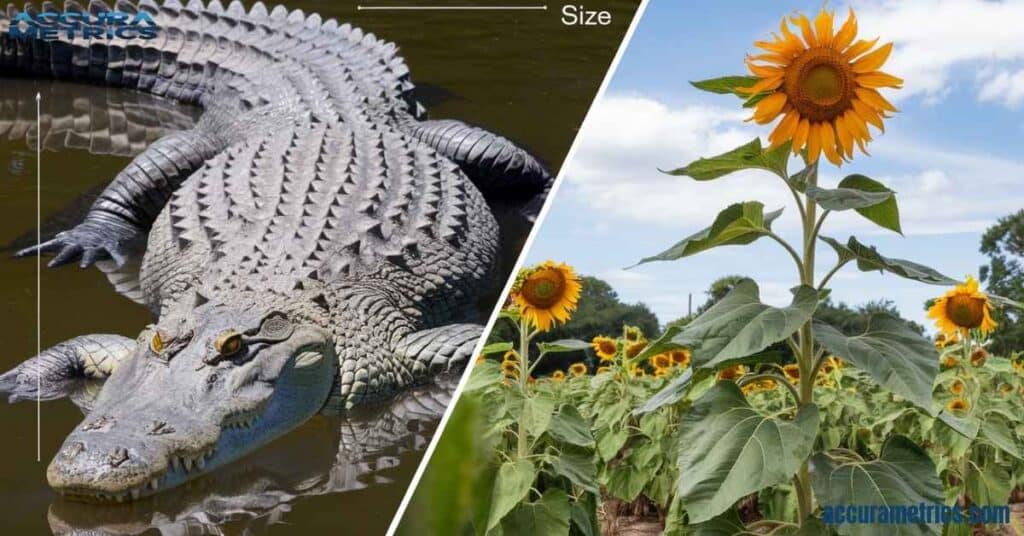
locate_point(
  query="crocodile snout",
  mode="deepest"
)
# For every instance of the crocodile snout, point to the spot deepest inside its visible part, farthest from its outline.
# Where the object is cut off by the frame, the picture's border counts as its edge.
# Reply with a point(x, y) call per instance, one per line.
point(106, 467)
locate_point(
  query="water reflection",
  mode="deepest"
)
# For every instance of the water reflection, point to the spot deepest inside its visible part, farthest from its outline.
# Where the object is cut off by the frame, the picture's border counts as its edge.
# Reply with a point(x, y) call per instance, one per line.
point(328, 455)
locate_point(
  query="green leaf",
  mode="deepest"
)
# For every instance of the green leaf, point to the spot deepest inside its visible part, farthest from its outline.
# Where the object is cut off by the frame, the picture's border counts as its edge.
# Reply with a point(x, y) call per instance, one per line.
point(483, 375)
point(989, 484)
point(997, 431)
point(672, 393)
point(801, 180)
point(738, 224)
point(748, 156)
point(885, 214)
point(537, 412)
point(727, 523)
point(511, 485)
point(739, 325)
point(869, 260)
point(496, 348)
point(903, 474)
point(548, 516)
point(626, 482)
point(660, 345)
point(611, 442)
point(578, 467)
point(965, 426)
point(729, 450)
point(563, 345)
point(726, 85)
point(583, 513)
point(891, 352)
point(846, 198)
point(568, 425)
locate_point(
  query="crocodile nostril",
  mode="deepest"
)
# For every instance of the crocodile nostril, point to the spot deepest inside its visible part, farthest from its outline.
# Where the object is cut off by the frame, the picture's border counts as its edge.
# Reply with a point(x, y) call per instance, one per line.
point(160, 428)
point(118, 457)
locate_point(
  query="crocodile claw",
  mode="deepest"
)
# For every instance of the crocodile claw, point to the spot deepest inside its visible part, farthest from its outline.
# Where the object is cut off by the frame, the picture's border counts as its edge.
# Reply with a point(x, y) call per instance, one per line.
point(87, 243)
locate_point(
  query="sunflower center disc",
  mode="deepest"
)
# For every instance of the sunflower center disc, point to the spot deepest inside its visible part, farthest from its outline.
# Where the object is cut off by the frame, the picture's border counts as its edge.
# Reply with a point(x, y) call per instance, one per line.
point(823, 84)
point(543, 289)
point(965, 311)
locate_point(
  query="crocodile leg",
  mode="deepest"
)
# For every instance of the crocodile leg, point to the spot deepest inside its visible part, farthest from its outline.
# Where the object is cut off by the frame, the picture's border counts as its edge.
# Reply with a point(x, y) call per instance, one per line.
point(66, 369)
point(493, 163)
point(436, 350)
point(118, 221)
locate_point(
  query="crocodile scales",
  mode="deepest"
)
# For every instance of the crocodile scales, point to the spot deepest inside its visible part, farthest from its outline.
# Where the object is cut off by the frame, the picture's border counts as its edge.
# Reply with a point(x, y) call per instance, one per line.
point(312, 244)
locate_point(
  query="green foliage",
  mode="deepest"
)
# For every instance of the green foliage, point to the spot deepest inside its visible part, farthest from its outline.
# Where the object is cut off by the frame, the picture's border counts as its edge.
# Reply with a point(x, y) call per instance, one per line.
point(869, 259)
point(1003, 244)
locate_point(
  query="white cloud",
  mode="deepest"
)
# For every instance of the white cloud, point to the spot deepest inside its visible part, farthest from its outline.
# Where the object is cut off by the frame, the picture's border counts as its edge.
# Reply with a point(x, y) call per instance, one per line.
point(932, 37)
point(628, 137)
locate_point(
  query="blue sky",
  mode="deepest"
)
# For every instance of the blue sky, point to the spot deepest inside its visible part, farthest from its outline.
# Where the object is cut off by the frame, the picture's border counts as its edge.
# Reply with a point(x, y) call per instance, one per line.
point(953, 154)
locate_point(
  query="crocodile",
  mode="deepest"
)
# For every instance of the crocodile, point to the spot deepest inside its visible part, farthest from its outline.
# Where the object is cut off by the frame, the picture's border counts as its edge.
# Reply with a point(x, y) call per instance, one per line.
point(313, 244)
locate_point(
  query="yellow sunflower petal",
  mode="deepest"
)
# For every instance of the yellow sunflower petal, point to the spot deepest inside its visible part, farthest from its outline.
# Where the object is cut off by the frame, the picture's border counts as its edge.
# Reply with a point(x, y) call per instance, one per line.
point(868, 114)
point(814, 142)
point(845, 136)
point(823, 27)
point(876, 79)
point(763, 71)
point(805, 29)
point(846, 32)
point(769, 108)
point(800, 135)
point(874, 99)
point(874, 60)
point(766, 84)
point(828, 144)
point(858, 48)
point(785, 129)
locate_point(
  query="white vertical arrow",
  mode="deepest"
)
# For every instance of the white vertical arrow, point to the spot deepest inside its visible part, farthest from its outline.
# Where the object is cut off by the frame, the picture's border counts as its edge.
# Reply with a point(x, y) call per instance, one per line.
point(39, 261)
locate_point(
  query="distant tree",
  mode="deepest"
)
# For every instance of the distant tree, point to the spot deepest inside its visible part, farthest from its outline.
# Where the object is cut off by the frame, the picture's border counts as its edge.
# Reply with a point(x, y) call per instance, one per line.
point(1003, 244)
point(718, 289)
point(599, 311)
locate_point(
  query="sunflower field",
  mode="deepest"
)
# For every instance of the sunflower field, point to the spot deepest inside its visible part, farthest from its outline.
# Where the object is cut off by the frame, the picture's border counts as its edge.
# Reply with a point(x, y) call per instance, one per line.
point(707, 428)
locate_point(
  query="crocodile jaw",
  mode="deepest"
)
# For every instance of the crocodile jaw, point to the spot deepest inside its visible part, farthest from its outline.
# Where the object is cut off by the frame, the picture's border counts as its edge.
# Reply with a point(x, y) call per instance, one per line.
point(113, 458)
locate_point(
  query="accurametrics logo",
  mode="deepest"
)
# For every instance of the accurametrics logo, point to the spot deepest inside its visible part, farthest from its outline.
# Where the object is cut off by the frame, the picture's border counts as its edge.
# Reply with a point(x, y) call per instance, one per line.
point(52, 25)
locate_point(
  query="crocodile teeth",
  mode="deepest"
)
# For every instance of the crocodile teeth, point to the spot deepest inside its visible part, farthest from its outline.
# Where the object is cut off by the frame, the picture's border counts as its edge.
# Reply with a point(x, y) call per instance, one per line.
point(154, 483)
point(201, 462)
point(187, 463)
point(175, 466)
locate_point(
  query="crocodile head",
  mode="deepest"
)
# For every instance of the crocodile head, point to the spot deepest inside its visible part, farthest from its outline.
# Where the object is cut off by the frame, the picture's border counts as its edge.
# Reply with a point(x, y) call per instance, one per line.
point(203, 389)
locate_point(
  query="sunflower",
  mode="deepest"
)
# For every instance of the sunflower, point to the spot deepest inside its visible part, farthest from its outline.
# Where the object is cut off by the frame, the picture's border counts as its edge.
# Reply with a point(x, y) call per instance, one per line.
point(950, 361)
point(979, 356)
point(1005, 389)
point(633, 349)
point(825, 382)
point(680, 358)
point(1018, 365)
point(510, 368)
point(958, 404)
point(510, 355)
point(661, 361)
point(661, 373)
point(792, 372)
point(940, 341)
point(824, 86)
point(547, 294)
point(732, 373)
point(637, 371)
point(957, 387)
point(634, 334)
point(962, 309)
point(577, 369)
point(557, 375)
point(602, 370)
point(604, 347)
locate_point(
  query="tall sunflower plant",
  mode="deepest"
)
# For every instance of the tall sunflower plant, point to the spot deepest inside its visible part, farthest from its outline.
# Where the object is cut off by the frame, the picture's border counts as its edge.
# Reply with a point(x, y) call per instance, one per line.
point(822, 88)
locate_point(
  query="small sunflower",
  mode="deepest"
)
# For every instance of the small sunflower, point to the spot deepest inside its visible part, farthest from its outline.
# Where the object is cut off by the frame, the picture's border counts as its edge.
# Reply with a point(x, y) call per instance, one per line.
point(979, 356)
point(602, 370)
point(637, 371)
point(661, 361)
point(510, 368)
point(1018, 365)
point(825, 87)
point(825, 382)
point(940, 340)
point(577, 369)
point(957, 387)
point(557, 376)
point(962, 309)
point(661, 372)
point(604, 347)
point(634, 334)
point(732, 373)
point(547, 294)
point(1005, 389)
point(633, 349)
point(949, 361)
point(680, 358)
point(958, 404)
point(510, 355)
point(792, 372)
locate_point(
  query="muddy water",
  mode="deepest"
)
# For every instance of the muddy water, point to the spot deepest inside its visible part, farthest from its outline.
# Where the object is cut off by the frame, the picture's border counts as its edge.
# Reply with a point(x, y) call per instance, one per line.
point(523, 74)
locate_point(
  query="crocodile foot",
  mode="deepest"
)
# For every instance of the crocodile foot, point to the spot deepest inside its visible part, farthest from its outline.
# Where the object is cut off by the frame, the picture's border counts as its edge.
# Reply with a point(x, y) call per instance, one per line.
point(88, 242)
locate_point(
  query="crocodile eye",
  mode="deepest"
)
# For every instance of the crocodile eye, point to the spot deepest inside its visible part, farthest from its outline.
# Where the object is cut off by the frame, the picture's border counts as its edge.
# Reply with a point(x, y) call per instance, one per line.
point(228, 343)
point(157, 343)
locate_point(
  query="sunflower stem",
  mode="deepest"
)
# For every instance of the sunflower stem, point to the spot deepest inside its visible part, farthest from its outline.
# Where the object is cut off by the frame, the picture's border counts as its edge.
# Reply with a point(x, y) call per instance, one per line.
point(805, 358)
point(522, 442)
